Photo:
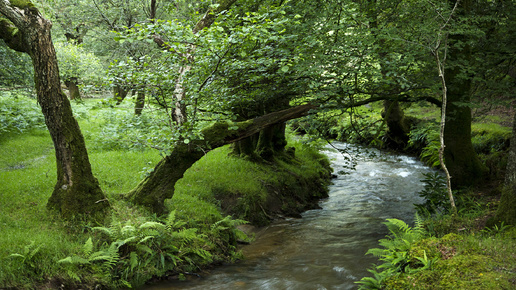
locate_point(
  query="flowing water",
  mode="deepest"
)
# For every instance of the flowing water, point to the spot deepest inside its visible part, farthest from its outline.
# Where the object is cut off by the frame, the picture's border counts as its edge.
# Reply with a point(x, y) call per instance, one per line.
point(325, 249)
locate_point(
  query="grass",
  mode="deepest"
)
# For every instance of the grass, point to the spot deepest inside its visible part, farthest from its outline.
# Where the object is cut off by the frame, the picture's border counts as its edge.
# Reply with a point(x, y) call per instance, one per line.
point(33, 240)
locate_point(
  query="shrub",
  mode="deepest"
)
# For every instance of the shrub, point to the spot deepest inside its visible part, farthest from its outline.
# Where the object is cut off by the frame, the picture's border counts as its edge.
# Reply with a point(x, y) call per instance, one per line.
point(18, 113)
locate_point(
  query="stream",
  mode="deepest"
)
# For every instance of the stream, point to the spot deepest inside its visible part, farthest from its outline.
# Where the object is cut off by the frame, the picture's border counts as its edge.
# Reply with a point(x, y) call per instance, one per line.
point(325, 249)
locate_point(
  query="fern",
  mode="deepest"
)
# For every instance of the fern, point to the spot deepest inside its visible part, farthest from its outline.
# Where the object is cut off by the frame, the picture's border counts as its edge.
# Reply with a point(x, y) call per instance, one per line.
point(394, 252)
point(129, 252)
point(28, 256)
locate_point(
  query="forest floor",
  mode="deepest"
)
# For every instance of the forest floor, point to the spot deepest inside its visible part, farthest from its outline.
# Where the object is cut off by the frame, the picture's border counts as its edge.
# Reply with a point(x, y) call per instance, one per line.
point(40, 250)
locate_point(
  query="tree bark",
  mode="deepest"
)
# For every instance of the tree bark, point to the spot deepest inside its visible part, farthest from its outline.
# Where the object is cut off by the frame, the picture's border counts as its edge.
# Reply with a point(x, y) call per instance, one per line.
point(460, 156)
point(120, 93)
point(506, 212)
point(140, 102)
point(77, 191)
point(159, 185)
point(73, 88)
point(397, 126)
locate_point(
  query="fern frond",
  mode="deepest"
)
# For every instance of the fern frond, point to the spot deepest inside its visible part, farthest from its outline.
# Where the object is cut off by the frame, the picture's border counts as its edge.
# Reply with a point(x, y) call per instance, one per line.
point(145, 239)
point(127, 230)
point(397, 226)
point(377, 252)
point(107, 231)
point(88, 247)
point(74, 260)
point(152, 225)
point(133, 260)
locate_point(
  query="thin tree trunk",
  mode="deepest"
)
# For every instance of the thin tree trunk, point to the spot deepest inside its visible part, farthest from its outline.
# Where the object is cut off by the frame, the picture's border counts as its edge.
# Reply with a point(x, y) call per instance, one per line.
point(77, 191)
point(140, 102)
point(179, 114)
point(440, 66)
point(73, 88)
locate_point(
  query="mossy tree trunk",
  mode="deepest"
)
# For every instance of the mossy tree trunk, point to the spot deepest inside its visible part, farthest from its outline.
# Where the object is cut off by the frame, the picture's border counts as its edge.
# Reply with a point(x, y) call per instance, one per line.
point(73, 88)
point(159, 185)
point(460, 156)
point(398, 127)
point(77, 191)
point(506, 212)
point(265, 144)
point(120, 93)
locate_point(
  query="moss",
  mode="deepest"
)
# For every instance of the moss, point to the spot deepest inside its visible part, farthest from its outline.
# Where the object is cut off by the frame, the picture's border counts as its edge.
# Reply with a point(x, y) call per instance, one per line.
point(8, 31)
point(506, 212)
point(22, 4)
point(460, 272)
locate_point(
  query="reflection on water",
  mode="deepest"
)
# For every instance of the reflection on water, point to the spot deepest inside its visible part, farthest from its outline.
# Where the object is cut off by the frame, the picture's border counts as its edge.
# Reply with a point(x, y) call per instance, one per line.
point(326, 248)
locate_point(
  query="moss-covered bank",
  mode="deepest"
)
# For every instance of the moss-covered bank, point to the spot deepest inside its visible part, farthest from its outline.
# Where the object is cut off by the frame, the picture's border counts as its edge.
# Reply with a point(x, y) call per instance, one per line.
point(258, 192)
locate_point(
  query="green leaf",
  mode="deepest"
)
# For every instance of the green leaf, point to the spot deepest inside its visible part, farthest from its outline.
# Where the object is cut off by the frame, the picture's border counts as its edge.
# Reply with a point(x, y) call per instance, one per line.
point(285, 68)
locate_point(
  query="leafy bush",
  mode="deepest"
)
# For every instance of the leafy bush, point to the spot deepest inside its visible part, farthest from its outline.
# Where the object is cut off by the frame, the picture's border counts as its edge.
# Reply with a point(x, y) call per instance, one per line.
point(75, 62)
point(425, 138)
point(18, 113)
point(435, 195)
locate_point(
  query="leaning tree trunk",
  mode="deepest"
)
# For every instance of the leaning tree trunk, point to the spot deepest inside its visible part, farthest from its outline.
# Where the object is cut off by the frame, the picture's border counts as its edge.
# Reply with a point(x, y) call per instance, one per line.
point(73, 88)
point(506, 212)
point(77, 191)
point(159, 185)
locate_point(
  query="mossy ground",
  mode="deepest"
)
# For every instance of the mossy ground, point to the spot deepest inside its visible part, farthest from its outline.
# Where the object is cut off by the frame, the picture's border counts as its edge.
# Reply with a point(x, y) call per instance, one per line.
point(33, 239)
point(472, 260)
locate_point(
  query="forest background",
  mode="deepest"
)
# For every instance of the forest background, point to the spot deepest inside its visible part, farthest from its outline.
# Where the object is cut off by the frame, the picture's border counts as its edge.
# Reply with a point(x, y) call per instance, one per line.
point(204, 74)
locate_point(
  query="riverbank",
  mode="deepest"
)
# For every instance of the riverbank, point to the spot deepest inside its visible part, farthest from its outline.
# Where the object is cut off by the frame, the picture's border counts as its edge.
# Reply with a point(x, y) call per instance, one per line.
point(466, 251)
point(39, 250)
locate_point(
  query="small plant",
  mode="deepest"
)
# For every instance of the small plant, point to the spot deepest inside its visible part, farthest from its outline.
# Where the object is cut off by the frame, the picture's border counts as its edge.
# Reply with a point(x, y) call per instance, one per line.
point(136, 253)
point(496, 229)
point(395, 253)
point(434, 193)
point(101, 262)
point(28, 256)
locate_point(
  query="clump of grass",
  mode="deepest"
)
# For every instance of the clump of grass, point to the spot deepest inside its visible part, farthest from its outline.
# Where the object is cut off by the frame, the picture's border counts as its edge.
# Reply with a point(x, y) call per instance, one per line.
point(490, 137)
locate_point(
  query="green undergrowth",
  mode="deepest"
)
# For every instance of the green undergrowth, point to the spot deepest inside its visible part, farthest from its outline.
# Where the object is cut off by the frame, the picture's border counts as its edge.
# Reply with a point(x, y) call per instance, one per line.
point(443, 251)
point(40, 250)
point(465, 258)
